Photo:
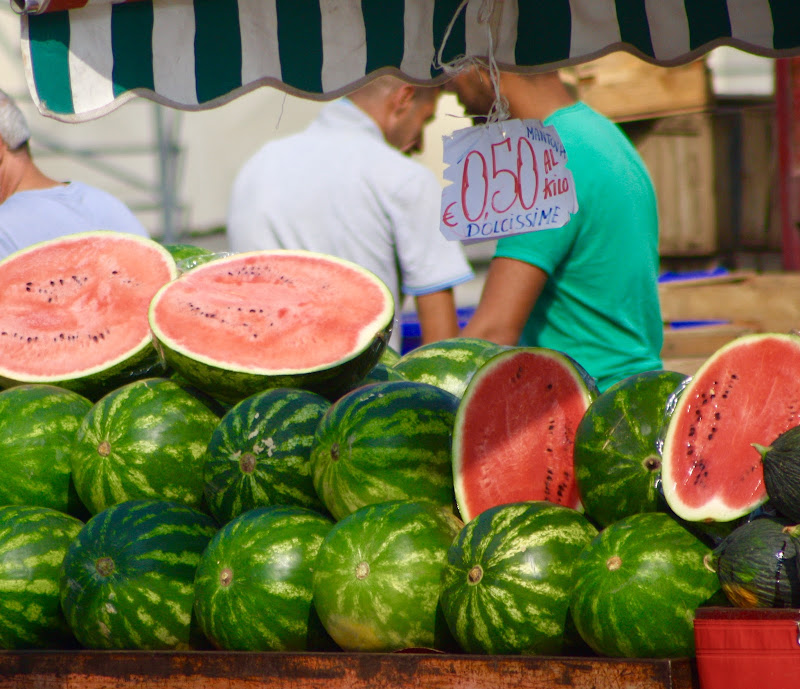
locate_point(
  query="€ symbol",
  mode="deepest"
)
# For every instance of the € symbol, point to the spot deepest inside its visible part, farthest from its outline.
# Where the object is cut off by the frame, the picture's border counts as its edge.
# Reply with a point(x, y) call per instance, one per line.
point(448, 216)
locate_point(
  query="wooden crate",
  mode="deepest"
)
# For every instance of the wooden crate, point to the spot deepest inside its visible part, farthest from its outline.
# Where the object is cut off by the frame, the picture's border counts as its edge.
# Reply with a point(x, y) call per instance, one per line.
point(239, 670)
point(624, 87)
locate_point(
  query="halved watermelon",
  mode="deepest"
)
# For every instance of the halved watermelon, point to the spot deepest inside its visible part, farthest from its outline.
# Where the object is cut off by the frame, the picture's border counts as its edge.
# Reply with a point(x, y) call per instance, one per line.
point(515, 430)
point(745, 393)
point(73, 311)
point(267, 319)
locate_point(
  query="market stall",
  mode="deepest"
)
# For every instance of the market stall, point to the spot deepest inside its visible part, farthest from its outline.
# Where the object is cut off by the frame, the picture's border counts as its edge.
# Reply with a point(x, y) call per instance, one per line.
point(85, 58)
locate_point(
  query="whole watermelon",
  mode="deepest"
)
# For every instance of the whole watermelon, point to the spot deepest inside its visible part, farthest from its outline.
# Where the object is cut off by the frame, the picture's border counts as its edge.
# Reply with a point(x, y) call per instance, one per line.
point(508, 578)
point(637, 586)
point(376, 579)
point(253, 584)
point(145, 440)
point(33, 543)
point(127, 580)
point(617, 462)
point(385, 441)
point(38, 434)
point(448, 364)
point(260, 453)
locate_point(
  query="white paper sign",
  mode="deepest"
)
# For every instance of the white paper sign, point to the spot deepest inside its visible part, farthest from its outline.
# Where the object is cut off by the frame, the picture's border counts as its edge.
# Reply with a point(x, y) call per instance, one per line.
point(506, 178)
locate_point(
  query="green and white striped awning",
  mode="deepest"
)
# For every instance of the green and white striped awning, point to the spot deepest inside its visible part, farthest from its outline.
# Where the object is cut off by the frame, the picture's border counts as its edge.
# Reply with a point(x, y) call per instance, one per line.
point(193, 54)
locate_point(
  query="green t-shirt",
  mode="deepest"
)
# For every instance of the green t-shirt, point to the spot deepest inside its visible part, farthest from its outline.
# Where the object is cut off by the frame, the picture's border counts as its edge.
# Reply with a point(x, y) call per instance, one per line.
point(600, 303)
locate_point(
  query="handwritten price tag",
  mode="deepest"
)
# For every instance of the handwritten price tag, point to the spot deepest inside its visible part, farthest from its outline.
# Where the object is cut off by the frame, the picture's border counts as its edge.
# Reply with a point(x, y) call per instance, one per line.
point(507, 178)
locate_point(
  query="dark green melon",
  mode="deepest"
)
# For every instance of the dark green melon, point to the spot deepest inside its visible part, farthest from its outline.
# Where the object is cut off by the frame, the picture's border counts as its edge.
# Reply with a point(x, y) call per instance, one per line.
point(33, 543)
point(385, 441)
point(376, 578)
point(781, 463)
point(253, 588)
point(260, 453)
point(127, 580)
point(38, 435)
point(146, 439)
point(617, 462)
point(757, 564)
point(508, 578)
point(637, 585)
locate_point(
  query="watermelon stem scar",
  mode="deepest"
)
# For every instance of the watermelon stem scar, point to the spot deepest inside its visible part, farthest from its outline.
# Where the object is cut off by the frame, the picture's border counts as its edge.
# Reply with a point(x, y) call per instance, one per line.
point(247, 463)
point(105, 566)
point(614, 563)
point(362, 570)
point(475, 574)
point(104, 448)
point(226, 577)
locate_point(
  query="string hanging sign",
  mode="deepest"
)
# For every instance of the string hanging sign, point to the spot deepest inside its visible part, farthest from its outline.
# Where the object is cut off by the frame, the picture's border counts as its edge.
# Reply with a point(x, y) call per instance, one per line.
point(507, 176)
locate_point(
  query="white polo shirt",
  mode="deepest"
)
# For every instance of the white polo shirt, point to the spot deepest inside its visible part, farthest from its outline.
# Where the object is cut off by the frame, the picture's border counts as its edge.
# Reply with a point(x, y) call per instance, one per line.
point(338, 188)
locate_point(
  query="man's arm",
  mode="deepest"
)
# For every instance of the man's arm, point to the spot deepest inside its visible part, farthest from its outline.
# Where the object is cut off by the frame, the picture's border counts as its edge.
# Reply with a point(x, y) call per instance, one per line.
point(508, 297)
point(437, 315)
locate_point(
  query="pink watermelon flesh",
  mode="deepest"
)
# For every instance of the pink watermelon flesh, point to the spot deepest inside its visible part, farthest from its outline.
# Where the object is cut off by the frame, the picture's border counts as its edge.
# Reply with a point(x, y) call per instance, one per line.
point(272, 311)
point(747, 392)
point(515, 431)
point(77, 304)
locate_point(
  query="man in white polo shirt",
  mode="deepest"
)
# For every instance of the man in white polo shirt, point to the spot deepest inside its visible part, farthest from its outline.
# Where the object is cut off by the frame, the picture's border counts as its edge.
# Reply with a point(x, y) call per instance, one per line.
point(345, 186)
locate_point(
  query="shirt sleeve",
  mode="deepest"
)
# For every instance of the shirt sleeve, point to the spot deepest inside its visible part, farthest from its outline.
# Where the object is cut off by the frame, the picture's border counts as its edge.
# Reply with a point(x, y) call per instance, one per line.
point(545, 249)
point(428, 262)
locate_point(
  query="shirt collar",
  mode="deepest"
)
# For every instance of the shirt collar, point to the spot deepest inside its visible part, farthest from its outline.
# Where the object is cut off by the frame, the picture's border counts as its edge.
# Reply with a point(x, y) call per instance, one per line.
point(344, 114)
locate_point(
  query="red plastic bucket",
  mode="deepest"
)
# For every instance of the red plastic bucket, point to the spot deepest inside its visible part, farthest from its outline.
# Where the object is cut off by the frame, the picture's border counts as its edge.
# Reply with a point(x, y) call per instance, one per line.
point(748, 648)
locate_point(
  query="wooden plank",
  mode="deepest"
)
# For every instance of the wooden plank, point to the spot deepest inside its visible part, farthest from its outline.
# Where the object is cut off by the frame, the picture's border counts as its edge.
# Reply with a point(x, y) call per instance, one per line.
point(236, 670)
point(701, 341)
point(624, 87)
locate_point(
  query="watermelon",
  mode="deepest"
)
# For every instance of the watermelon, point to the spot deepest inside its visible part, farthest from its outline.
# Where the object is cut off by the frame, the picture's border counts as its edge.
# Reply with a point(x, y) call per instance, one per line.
point(376, 578)
point(744, 394)
point(127, 581)
point(253, 584)
point(508, 578)
point(180, 251)
point(260, 453)
point(515, 430)
point(146, 439)
point(617, 461)
point(390, 356)
point(73, 311)
point(637, 585)
point(267, 319)
point(448, 364)
point(38, 434)
point(33, 543)
point(385, 441)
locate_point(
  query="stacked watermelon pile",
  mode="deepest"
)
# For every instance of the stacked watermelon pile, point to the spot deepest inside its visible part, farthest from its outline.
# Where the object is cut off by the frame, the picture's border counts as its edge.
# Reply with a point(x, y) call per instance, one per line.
point(226, 454)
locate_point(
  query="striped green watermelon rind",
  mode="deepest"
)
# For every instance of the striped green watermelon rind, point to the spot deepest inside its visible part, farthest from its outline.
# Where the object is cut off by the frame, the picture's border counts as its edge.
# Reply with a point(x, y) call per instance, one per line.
point(380, 373)
point(377, 574)
point(127, 581)
point(742, 395)
point(389, 356)
point(140, 361)
point(144, 440)
point(617, 460)
point(260, 453)
point(33, 543)
point(508, 578)
point(385, 441)
point(514, 433)
point(253, 587)
point(38, 434)
point(180, 251)
point(231, 382)
point(637, 586)
point(448, 364)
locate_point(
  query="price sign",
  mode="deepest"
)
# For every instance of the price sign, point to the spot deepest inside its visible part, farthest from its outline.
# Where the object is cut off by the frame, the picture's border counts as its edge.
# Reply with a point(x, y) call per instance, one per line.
point(506, 178)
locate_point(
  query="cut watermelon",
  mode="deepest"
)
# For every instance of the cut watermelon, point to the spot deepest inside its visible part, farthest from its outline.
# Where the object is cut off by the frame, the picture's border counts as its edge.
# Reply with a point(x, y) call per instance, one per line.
point(267, 319)
point(515, 430)
point(73, 311)
point(745, 393)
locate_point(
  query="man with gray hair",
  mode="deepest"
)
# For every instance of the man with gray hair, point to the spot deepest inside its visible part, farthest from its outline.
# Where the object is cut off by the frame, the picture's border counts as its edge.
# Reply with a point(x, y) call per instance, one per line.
point(35, 207)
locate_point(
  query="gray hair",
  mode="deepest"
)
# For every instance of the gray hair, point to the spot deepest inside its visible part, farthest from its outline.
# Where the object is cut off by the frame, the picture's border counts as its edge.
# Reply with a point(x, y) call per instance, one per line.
point(14, 129)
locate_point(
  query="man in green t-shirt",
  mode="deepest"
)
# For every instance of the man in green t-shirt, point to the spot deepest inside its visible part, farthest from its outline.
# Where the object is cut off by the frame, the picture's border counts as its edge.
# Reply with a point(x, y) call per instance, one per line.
point(590, 288)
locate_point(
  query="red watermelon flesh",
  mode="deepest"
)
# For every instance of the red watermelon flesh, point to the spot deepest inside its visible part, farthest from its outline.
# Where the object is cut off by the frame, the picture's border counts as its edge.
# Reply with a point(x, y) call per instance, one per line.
point(515, 430)
point(272, 311)
point(746, 392)
point(76, 305)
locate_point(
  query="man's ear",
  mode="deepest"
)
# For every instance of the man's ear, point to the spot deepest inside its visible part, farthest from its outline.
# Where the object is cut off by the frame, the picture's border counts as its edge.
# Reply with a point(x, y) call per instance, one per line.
point(403, 98)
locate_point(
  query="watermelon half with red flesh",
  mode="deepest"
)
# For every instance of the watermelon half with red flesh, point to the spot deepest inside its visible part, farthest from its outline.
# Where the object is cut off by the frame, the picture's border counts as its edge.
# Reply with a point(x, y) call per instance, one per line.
point(266, 319)
point(515, 430)
point(73, 311)
point(746, 392)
